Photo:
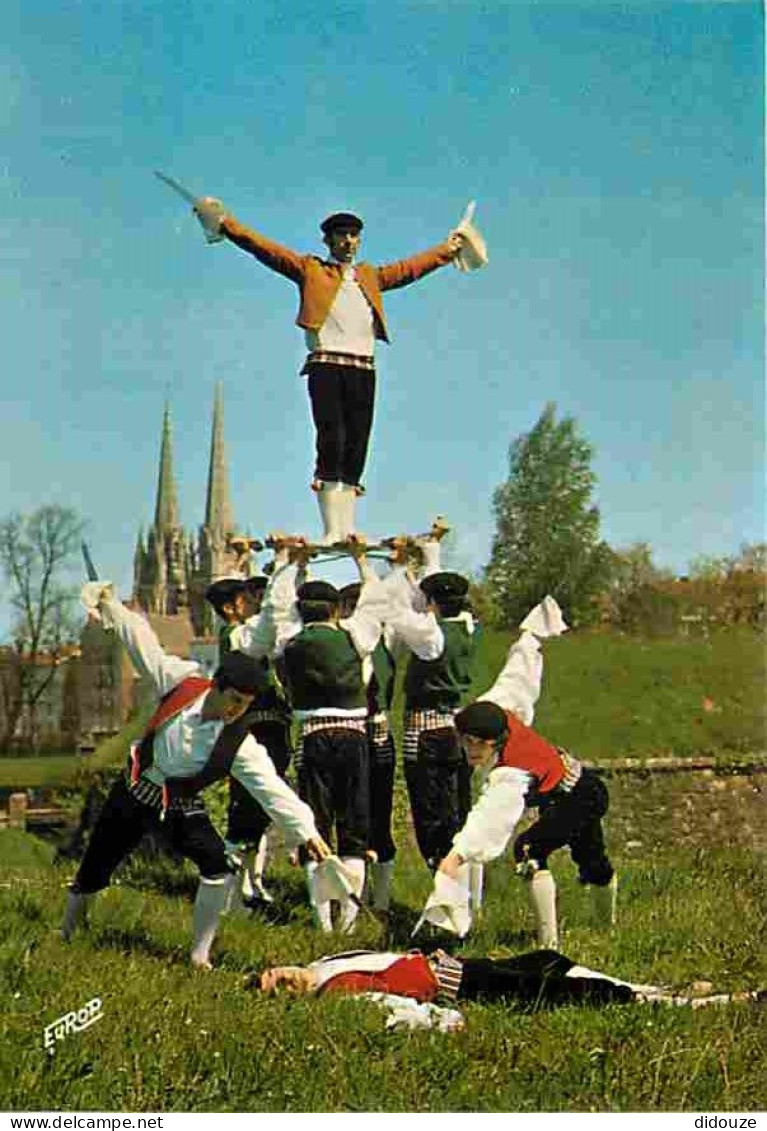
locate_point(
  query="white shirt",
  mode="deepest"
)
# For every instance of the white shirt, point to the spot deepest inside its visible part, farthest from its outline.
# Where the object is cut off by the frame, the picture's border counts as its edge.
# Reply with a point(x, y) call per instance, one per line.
point(183, 745)
point(493, 819)
point(348, 327)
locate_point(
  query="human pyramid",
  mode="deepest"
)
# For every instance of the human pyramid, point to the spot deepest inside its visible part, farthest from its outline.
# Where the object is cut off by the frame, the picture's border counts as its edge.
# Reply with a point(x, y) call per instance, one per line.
point(295, 652)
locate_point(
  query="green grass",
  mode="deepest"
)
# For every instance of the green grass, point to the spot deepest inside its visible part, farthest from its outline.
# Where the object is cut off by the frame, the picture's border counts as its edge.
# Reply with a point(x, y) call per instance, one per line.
point(692, 906)
point(174, 1040)
point(605, 696)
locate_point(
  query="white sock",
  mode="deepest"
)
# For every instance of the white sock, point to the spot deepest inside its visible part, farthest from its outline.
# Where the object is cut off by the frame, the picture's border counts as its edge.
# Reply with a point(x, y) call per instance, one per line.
point(320, 907)
point(209, 905)
point(476, 885)
point(355, 867)
point(543, 898)
point(381, 875)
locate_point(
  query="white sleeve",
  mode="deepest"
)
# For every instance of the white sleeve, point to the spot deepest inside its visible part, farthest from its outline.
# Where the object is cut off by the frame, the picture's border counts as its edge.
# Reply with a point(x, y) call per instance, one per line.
point(419, 631)
point(281, 606)
point(518, 686)
point(492, 820)
point(365, 624)
point(254, 769)
point(143, 647)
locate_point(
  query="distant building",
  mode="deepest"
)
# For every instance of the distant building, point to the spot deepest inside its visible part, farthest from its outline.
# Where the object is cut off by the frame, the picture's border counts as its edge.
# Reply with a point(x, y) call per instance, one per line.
point(171, 571)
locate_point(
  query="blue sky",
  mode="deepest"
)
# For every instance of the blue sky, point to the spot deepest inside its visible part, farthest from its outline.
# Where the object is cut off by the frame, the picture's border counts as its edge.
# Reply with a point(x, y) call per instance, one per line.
point(616, 155)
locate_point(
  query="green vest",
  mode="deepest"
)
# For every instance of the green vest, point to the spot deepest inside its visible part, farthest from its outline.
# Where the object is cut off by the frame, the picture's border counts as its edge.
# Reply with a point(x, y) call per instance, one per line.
point(270, 697)
point(381, 686)
point(323, 669)
point(441, 683)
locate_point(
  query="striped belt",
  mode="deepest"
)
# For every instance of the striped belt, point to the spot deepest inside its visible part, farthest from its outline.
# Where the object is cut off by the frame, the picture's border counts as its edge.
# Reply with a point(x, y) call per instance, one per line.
point(324, 722)
point(378, 729)
point(448, 971)
point(416, 722)
point(151, 795)
point(328, 357)
point(266, 715)
point(572, 768)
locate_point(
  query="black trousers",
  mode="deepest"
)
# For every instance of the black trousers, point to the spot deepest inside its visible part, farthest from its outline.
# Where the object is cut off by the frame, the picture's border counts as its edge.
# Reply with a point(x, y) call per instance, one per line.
point(333, 780)
point(535, 978)
point(382, 764)
point(439, 790)
point(122, 823)
point(572, 820)
point(246, 820)
point(342, 407)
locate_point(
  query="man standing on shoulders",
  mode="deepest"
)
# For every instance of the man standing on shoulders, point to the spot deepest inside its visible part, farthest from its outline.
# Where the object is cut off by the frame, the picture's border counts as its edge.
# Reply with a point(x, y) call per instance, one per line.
point(341, 313)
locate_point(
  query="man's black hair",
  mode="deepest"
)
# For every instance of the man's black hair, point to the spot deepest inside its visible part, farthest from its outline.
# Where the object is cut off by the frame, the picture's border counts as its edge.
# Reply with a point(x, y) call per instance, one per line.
point(241, 672)
point(483, 719)
point(223, 592)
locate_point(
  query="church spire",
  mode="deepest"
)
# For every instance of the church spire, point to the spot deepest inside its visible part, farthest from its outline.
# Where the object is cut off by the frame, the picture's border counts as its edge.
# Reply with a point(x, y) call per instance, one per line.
point(166, 510)
point(218, 507)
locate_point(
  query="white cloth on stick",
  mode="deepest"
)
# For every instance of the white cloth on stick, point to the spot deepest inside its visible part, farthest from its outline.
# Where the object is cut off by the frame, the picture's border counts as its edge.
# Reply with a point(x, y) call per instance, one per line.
point(473, 253)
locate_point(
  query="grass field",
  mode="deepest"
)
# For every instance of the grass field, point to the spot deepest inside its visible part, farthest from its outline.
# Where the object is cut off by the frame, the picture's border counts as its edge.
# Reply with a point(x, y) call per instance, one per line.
point(692, 907)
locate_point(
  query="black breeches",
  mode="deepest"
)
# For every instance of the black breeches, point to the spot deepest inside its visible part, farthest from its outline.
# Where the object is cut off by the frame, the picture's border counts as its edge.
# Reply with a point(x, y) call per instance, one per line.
point(342, 399)
point(538, 978)
point(382, 764)
point(122, 823)
point(334, 782)
point(574, 820)
point(437, 786)
point(246, 821)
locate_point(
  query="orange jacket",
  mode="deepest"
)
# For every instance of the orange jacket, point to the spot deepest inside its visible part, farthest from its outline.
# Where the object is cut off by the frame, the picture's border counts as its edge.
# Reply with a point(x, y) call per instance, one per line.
point(319, 279)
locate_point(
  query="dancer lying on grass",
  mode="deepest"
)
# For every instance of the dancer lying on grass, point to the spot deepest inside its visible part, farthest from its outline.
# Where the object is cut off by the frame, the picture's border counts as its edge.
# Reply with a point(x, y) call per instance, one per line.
point(541, 977)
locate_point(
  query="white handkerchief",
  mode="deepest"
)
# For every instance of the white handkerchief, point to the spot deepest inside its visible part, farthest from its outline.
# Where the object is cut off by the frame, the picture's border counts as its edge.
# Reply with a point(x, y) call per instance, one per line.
point(448, 905)
point(545, 619)
point(473, 253)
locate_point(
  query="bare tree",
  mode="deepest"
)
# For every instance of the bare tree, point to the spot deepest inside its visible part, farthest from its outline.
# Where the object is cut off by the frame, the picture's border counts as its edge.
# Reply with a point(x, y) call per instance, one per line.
point(36, 551)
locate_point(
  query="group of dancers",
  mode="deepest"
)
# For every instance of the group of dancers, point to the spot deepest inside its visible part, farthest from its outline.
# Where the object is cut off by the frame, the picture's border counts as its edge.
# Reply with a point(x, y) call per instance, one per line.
point(300, 657)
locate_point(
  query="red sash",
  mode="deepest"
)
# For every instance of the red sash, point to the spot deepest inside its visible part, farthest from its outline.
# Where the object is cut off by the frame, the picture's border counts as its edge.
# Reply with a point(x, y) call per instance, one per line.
point(169, 706)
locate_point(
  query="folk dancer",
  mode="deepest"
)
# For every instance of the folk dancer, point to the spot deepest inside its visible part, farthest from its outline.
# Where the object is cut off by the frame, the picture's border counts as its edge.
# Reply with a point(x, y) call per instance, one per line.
point(521, 769)
point(188, 731)
point(322, 658)
point(234, 600)
point(341, 313)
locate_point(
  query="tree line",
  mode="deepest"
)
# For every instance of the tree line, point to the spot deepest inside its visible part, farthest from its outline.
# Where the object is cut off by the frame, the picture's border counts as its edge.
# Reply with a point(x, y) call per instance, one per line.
point(547, 540)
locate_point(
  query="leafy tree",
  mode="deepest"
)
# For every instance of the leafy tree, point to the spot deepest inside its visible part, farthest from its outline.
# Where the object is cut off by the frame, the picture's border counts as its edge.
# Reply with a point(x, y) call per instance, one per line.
point(35, 552)
point(547, 533)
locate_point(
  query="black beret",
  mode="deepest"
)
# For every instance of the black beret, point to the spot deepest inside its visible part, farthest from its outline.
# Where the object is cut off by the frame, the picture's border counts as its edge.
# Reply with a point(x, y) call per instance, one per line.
point(341, 220)
point(226, 589)
point(241, 672)
point(256, 584)
point(318, 591)
point(483, 719)
point(445, 586)
point(350, 592)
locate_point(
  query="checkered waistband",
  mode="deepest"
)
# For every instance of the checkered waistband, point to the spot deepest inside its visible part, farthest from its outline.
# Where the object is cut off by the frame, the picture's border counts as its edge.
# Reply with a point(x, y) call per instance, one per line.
point(378, 729)
point(266, 715)
point(324, 722)
point(416, 722)
point(153, 796)
point(328, 357)
point(448, 971)
point(331, 722)
point(573, 770)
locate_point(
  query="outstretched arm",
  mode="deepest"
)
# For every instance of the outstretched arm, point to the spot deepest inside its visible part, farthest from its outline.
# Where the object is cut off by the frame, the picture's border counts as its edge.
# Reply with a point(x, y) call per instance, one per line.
point(405, 271)
point(518, 686)
point(254, 769)
point(491, 822)
point(273, 255)
point(139, 638)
